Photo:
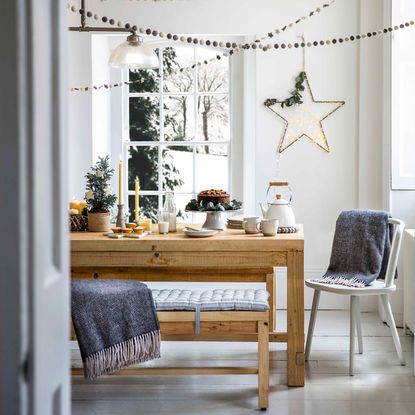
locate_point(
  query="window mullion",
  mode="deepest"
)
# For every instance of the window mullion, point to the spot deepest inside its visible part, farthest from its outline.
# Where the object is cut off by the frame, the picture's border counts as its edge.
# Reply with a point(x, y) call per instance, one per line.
point(125, 135)
point(195, 91)
point(170, 93)
point(176, 143)
point(231, 80)
point(161, 137)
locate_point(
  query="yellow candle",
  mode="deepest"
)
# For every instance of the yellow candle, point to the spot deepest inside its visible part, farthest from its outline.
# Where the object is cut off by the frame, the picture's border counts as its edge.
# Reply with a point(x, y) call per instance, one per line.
point(136, 200)
point(120, 183)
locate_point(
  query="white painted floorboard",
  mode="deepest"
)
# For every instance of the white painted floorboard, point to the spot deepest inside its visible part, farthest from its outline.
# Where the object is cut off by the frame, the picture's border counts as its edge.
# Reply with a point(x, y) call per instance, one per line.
point(380, 385)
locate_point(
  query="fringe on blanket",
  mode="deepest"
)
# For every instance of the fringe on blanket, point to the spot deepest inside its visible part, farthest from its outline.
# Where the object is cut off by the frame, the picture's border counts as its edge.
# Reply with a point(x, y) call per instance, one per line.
point(353, 282)
point(138, 349)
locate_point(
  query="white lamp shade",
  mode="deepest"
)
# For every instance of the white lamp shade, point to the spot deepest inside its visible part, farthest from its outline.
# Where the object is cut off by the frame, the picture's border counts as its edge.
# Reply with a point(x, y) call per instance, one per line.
point(134, 55)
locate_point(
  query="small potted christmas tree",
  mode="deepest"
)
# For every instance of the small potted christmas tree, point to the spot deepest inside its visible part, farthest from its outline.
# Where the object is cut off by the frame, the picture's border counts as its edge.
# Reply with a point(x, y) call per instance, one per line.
point(99, 196)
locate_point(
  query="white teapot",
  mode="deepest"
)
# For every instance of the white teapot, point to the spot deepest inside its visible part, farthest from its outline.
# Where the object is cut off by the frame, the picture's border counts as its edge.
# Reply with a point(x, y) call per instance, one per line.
point(278, 207)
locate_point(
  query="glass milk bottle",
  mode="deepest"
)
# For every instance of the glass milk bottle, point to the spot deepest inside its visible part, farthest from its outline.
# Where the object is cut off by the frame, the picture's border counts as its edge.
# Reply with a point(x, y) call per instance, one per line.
point(170, 209)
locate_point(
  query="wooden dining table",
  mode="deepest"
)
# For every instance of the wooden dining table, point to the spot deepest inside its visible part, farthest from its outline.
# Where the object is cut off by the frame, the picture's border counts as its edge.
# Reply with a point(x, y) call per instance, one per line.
point(230, 256)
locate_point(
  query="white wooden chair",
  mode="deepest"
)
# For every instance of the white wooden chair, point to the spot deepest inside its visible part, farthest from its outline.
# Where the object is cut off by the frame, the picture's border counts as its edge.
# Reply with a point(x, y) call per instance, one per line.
point(378, 287)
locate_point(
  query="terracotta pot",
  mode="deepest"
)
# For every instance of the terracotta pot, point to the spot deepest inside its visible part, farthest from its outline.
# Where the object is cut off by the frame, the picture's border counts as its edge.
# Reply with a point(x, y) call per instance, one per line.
point(98, 222)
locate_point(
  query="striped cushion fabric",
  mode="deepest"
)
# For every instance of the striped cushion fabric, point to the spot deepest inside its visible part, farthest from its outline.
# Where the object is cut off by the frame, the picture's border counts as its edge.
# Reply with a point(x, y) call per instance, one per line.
point(210, 300)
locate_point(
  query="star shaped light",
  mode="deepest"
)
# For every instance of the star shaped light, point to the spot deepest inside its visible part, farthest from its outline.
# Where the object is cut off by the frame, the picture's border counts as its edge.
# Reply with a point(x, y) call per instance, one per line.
point(304, 120)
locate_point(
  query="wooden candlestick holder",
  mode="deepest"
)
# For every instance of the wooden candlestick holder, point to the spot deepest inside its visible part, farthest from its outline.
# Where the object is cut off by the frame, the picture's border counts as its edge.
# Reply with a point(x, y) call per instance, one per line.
point(120, 217)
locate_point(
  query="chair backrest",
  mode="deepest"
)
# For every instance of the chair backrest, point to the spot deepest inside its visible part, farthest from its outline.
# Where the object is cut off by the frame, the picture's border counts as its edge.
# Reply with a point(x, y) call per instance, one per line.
point(399, 227)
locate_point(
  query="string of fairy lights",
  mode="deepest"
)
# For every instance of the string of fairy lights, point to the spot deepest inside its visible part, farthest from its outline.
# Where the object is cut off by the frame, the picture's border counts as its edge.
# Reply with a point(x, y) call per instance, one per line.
point(194, 40)
point(233, 47)
point(176, 38)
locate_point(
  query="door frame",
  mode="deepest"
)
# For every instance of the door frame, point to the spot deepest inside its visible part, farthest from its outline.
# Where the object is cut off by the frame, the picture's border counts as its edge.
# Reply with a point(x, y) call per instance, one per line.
point(17, 193)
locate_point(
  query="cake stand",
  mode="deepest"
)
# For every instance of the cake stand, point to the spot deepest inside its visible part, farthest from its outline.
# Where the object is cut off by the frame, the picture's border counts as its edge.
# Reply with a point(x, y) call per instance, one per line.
point(216, 219)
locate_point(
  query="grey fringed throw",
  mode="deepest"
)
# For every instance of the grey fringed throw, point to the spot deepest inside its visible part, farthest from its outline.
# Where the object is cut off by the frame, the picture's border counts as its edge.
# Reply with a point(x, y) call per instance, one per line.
point(116, 324)
point(361, 248)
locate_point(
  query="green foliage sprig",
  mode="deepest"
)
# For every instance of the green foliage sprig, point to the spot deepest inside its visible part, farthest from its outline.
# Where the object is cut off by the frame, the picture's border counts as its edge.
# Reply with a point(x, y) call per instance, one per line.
point(295, 98)
point(194, 205)
point(99, 196)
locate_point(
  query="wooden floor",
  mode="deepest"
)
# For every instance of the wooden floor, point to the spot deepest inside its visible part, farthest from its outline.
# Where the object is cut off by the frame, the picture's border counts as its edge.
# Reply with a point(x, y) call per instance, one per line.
point(380, 386)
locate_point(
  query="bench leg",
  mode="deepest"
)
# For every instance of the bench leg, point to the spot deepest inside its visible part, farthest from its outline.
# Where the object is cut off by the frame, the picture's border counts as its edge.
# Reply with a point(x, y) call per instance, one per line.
point(263, 364)
point(272, 300)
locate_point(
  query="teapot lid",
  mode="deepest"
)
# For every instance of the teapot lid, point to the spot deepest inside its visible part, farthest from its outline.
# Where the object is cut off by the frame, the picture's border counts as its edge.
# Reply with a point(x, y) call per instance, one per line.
point(279, 200)
point(277, 183)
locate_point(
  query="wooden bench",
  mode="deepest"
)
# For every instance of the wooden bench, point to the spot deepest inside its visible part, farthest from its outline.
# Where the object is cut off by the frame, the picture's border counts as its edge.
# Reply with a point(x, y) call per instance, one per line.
point(213, 325)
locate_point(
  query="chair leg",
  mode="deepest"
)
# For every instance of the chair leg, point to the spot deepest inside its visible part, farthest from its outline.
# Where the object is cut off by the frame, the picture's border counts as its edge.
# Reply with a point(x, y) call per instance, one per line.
point(390, 320)
point(263, 364)
point(358, 321)
point(352, 333)
point(312, 323)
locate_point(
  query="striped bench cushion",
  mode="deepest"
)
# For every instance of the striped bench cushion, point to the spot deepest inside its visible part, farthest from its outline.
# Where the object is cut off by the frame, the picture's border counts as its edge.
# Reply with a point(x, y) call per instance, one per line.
point(210, 300)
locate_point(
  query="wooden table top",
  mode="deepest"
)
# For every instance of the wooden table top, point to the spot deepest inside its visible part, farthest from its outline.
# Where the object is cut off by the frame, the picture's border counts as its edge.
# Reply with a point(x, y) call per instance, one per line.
point(231, 240)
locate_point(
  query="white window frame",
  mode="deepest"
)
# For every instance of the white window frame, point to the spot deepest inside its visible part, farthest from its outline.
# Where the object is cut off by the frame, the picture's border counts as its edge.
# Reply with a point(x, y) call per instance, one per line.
point(398, 180)
point(162, 143)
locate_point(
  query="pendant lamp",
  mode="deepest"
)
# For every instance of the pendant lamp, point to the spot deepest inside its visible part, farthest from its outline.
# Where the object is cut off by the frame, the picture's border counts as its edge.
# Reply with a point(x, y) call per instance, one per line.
point(134, 54)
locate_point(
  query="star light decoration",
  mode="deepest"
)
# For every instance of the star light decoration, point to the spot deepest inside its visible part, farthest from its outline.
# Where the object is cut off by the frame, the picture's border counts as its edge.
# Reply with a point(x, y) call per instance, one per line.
point(304, 120)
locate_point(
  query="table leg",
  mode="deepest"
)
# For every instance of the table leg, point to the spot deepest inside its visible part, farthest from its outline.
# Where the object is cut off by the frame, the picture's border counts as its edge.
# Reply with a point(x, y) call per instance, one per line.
point(263, 364)
point(295, 318)
point(272, 300)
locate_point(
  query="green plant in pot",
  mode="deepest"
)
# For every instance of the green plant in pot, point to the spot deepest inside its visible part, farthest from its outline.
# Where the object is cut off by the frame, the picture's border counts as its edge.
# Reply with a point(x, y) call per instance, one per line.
point(99, 196)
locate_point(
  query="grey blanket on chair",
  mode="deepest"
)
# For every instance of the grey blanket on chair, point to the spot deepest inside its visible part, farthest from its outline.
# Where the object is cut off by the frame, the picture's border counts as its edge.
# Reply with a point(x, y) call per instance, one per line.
point(361, 247)
point(116, 324)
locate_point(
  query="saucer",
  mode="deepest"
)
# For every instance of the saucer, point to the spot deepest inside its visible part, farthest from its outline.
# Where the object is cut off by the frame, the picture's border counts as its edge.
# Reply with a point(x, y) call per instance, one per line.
point(203, 233)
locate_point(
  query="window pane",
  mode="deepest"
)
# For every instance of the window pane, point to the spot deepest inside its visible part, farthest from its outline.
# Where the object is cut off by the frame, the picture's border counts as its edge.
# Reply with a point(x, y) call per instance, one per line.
point(143, 163)
point(148, 207)
point(213, 117)
point(175, 58)
point(145, 80)
point(212, 167)
point(179, 119)
point(178, 168)
point(213, 77)
point(144, 119)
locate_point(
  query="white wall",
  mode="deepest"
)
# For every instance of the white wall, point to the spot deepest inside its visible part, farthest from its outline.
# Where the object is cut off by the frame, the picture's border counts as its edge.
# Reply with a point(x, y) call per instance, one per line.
point(323, 184)
point(101, 99)
point(80, 114)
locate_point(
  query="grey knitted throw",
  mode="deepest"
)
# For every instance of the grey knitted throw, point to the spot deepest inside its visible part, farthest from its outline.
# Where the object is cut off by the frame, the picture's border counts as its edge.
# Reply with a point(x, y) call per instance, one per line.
point(361, 247)
point(116, 324)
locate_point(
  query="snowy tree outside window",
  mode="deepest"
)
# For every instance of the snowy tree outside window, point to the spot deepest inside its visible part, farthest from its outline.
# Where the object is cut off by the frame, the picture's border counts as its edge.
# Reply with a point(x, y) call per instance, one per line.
point(179, 127)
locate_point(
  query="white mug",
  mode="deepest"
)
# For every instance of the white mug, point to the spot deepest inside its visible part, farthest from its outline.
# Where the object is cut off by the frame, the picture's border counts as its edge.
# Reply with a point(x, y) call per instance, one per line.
point(252, 224)
point(269, 227)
